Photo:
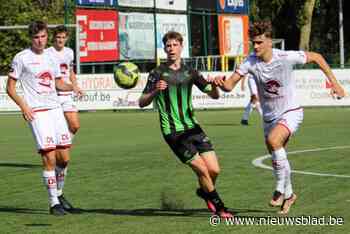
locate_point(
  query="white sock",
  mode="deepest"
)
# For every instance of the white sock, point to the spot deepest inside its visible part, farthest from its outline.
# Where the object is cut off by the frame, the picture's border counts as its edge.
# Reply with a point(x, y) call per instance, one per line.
point(60, 176)
point(49, 178)
point(258, 108)
point(288, 190)
point(279, 161)
point(247, 110)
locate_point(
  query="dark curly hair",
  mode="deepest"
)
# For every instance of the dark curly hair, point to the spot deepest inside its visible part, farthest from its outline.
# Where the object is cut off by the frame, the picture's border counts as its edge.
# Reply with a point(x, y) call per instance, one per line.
point(35, 27)
point(60, 29)
point(260, 28)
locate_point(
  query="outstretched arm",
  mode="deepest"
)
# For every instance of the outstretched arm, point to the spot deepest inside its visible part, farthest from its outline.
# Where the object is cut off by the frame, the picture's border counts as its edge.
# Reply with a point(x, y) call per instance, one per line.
point(228, 84)
point(214, 93)
point(317, 58)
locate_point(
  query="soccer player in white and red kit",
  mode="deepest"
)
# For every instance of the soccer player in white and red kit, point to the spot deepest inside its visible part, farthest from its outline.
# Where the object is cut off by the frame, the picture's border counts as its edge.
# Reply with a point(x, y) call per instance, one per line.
point(64, 56)
point(282, 114)
point(39, 76)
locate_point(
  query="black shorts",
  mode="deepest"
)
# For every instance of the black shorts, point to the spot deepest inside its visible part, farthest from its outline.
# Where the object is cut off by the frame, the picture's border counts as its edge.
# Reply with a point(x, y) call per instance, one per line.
point(188, 143)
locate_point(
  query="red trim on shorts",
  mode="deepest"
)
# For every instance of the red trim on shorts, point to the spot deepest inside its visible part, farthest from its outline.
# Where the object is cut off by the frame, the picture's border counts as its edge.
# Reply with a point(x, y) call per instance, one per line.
point(71, 111)
point(41, 151)
point(41, 110)
point(63, 146)
point(292, 110)
point(270, 121)
point(289, 131)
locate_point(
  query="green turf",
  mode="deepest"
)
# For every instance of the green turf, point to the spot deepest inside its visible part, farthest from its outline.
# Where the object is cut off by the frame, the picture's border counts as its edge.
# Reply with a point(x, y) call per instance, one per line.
point(126, 180)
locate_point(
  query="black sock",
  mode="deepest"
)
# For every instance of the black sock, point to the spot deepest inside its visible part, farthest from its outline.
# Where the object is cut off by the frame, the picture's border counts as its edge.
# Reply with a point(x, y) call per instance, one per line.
point(213, 196)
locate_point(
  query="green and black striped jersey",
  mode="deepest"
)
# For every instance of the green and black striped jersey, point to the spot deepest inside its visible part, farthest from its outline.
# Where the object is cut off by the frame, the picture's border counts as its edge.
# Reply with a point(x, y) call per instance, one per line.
point(175, 103)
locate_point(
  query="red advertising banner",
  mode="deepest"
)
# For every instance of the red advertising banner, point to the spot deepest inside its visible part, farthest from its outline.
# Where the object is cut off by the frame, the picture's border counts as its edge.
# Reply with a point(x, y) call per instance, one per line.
point(98, 35)
point(233, 35)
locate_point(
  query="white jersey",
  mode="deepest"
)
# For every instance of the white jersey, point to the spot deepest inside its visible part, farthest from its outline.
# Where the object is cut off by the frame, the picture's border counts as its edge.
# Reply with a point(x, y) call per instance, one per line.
point(65, 59)
point(276, 86)
point(37, 74)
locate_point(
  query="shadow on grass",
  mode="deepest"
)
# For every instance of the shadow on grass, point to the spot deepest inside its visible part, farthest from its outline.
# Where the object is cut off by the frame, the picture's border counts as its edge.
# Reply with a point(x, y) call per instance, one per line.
point(22, 210)
point(169, 212)
point(20, 165)
point(37, 224)
point(141, 212)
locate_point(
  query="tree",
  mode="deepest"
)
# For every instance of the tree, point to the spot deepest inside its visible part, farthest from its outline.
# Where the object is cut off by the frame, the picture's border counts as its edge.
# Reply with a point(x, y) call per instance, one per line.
point(15, 12)
point(305, 22)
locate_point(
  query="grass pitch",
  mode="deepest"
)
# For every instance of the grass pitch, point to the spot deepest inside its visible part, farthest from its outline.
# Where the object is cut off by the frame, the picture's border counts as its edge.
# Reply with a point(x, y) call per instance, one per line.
point(126, 180)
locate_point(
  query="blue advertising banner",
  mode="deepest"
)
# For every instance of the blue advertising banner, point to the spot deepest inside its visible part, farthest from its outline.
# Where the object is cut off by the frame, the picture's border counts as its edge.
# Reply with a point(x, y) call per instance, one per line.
point(232, 6)
point(96, 2)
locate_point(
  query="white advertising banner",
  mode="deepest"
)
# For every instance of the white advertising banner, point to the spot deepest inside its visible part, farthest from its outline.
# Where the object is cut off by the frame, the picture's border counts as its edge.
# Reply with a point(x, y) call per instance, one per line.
point(235, 98)
point(6, 103)
point(314, 90)
point(178, 5)
point(166, 23)
point(136, 3)
point(101, 92)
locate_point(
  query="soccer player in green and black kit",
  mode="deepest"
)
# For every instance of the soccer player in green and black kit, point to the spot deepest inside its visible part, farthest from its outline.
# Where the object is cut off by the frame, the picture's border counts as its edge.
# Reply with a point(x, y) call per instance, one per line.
point(170, 85)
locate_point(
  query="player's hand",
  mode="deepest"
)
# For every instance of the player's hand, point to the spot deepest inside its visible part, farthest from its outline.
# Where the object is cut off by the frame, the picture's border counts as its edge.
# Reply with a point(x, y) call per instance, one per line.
point(28, 113)
point(78, 91)
point(337, 91)
point(161, 85)
point(210, 79)
point(219, 80)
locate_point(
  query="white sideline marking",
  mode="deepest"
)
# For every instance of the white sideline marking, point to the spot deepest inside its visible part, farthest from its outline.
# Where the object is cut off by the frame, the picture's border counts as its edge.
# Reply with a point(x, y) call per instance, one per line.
point(258, 162)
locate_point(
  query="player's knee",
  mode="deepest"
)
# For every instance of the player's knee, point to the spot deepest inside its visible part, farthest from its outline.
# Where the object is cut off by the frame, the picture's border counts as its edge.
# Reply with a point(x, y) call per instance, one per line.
point(73, 128)
point(201, 169)
point(214, 172)
point(273, 143)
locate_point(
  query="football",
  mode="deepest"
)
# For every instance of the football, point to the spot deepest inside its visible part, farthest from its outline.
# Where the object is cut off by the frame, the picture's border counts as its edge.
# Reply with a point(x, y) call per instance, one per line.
point(126, 75)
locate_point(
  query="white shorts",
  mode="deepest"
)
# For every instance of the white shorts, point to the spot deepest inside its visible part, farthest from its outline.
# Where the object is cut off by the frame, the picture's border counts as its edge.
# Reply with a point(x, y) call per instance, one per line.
point(290, 120)
point(252, 87)
point(67, 103)
point(50, 130)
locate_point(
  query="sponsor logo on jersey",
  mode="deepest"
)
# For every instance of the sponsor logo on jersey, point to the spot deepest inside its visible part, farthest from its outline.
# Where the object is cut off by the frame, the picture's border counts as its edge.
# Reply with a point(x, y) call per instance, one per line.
point(63, 68)
point(272, 87)
point(45, 78)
